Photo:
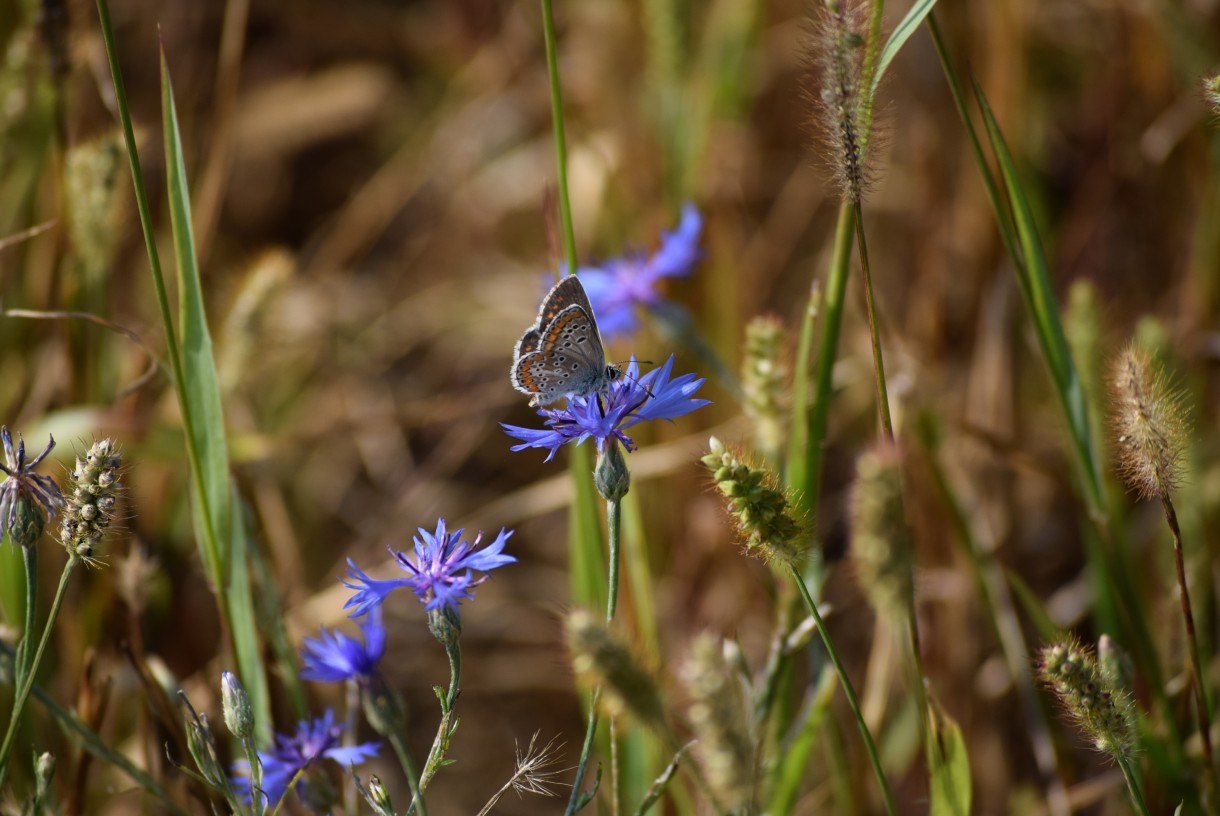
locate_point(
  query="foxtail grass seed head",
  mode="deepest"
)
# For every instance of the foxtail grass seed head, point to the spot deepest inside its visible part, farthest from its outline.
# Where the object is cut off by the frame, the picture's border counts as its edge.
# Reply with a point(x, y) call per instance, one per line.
point(93, 493)
point(1211, 92)
point(717, 716)
point(1148, 424)
point(26, 498)
point(843, 111)
point(880, 545)
point(1102, 710)
point(762, 379)
point(94, 180)
point(606, 661)
point(762, 512)
point(611, 476)
point(1114, 663)
point(235, 703)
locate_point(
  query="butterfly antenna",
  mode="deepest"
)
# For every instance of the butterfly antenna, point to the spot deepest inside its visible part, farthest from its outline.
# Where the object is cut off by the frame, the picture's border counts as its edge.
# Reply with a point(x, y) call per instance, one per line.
point(623, 368)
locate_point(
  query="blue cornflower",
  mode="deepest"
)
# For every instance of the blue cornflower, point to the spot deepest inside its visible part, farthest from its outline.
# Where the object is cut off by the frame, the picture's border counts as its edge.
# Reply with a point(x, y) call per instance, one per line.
point(619, 285)
point(440, 572)
point(22, 481)
point(335, 657)
point(629, 400)
point(294, 753)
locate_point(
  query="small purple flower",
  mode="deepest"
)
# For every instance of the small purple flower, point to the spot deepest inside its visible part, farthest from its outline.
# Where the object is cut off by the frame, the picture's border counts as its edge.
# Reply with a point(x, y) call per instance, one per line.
point(619, 285)
point(335, 657)
point(631, 399)
point(23, 481)
point(440, 571)
point(293, 753)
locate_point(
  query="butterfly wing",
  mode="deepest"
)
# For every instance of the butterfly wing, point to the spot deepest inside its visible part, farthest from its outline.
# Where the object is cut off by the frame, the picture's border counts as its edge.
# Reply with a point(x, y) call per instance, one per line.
point(568, 292)
point(564, 358)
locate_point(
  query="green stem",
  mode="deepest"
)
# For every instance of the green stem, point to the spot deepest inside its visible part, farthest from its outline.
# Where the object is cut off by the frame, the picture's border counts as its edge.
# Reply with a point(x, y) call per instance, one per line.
point(1203, 710)
point(614, 516)
point(1133, 785)
point(586, 750)
point(440, 744)
point(258, 804)
point(849, 691)
point(561, 144)
point(22, 664)
point(28, 682)
point(819, 412)
point(883, 399)
point(408, 770)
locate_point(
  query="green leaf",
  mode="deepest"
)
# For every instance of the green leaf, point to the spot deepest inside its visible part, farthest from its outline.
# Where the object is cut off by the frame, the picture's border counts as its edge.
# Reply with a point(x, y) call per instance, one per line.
point(221, 535)
point(950, 765)
point(898, 38)
point(793, 769)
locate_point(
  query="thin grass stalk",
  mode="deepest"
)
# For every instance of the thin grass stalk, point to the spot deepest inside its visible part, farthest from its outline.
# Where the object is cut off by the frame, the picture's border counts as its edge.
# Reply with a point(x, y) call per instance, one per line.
point(997, 600)
point(849, 692)
point(27, 684)
point(807, 482)
point(561, 143)
point(1110, 562)
point(1202, 709)
point(211, 548)
point(1133, 785)
point(883, 398)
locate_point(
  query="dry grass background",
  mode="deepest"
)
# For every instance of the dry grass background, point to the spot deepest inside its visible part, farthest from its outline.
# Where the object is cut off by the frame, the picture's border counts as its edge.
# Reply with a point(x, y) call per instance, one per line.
point(371, 180)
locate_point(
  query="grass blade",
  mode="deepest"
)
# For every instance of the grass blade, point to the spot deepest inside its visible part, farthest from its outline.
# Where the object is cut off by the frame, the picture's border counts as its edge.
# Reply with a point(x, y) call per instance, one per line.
point(898, 37)
point(203, 416)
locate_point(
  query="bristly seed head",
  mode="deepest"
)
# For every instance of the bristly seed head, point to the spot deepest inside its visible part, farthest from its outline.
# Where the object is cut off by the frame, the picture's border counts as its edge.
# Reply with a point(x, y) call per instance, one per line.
point(1148, 424)
point(1102, 709)
point(843, 112)
point(765, 517)
point(880, 544)
point(611, 664)
point(762, 380)
point(1211, 92)
point(718, 718)
point(91, 501)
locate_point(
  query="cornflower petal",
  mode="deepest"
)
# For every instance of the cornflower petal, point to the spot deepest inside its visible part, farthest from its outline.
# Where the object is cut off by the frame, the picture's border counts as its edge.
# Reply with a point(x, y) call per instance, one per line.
point(293, 753)
point(629, 400)
point(618, 286)
point(441, 570)
point(335, 656)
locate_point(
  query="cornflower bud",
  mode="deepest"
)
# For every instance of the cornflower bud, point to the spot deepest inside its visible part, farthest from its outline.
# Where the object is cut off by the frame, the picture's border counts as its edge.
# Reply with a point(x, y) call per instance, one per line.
point(611, 476)
point(235, 703)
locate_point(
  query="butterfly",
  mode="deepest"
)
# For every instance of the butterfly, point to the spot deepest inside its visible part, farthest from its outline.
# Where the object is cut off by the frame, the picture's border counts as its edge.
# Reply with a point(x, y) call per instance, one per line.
point(561, 354)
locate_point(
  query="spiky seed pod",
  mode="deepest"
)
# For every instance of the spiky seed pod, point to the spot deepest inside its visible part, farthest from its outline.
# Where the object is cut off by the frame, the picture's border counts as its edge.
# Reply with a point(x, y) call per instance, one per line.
point(764, 516)
point(609, 663)
point(1211, 92)
point(94, 179)
point(1102, 710)
point(718, 718)
point(91, 501)
point(879, 543)
point(1148, 424)
point(843, 114)
point(762, 379)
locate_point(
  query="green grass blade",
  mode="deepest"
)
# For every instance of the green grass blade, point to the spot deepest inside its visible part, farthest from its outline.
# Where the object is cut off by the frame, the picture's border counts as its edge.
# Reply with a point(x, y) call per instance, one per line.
point(793, 769)
point(950, 761)
point(1044, 311)
point(898, 38)
point(203, 416)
